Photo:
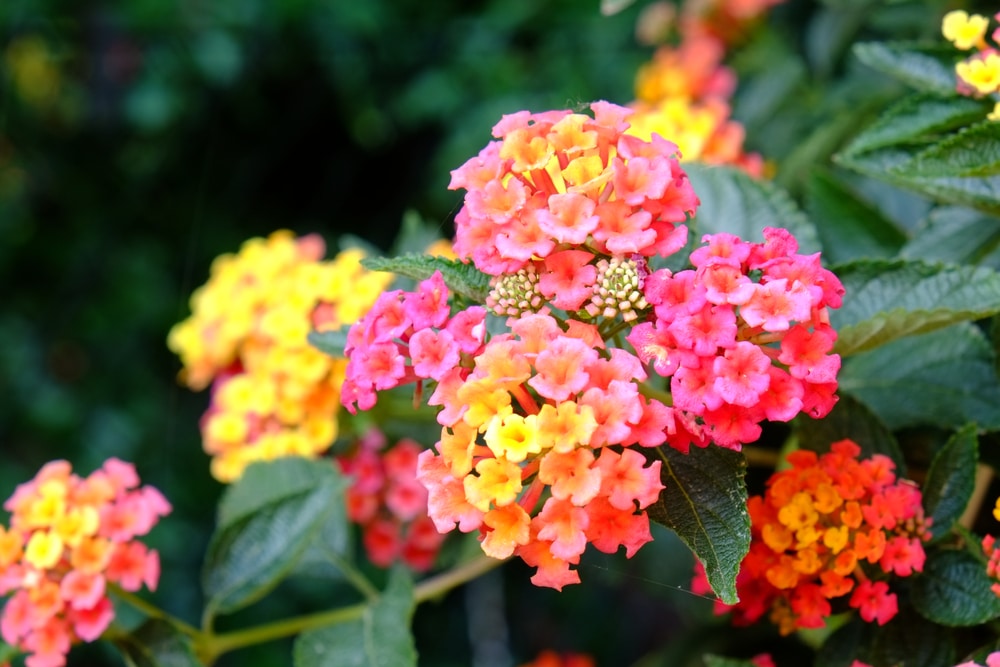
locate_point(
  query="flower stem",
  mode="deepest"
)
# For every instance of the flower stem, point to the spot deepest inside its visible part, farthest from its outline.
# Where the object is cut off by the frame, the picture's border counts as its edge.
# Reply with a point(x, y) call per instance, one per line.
point(152, 611)
point(212, 647)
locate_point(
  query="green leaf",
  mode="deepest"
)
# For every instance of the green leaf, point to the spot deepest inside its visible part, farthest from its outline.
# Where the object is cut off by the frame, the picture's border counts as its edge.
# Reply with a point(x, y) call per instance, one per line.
point(330, 342)
point(946, 378)
point(957, 235)
point(925, 67)
point(260, 540)
point(705, 502)
point(719, 661)
point(266, 483)
point(917, 120)
point(842, 647)
point(909, 641)
point(950, 480)
point(462, 279)
point(734, 203)
point(972, 151)
point(848, 226)
point(156, 643)
point(380, 637)
point(954, 590)
point(886, 300)
point(850, 420)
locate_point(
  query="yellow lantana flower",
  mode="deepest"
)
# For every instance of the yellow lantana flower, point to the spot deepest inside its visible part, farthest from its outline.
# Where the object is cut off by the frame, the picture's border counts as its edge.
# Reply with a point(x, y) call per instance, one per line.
point(964, 30)
point(981, 73)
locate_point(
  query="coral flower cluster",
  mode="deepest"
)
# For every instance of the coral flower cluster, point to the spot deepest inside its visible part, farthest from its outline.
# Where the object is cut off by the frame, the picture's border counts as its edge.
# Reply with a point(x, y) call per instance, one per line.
point(273, 394)
point(69, 539)
point(743, 336)
point(684, 93)
point(558, 188)
point(388, 502)
point(831, 529)
point(978, 74)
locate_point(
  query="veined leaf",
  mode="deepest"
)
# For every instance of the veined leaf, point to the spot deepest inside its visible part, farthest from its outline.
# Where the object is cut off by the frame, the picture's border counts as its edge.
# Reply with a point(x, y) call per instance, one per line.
point(156, 643)
point(705, 502)
point(972, 151)
point(380, 637)
point(950, 481)
point(462, 279)
point(957, 235)
point(260, 541)
point(946, 378)
point(852, 420)
point(886, 300)
point(922, 66)
point(734, 203)
point(954, 590)
point(918, 119)
point(908, 639)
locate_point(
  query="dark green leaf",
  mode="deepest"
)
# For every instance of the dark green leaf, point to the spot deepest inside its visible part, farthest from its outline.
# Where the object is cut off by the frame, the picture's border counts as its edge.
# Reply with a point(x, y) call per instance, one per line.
point(260, 541)
point(379, 637)
point(921, 66)
point(705, 502)
point(462, 279)
point(957, 235)
point(156, 643)
point(734, 203)
point(848, 227)
point(917, 120)
point(950, 480)
point(330, 342)
point(954, 590)
point(887, 300)
point(850, 420)
point(973, 151)
point(946, 378)
point(908, 641)
point(266, 483)
point(842, 647)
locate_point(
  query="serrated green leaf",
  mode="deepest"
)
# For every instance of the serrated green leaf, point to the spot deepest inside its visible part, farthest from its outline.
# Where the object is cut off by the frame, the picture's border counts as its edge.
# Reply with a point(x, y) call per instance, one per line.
point(886, 300)
point(462, 279)
point(954, 590)
point(917, 120)
point(946, 378)
point(329, 342)
point(379, 638)
point(924, 67)
point(704, 501)
point(734, 203)
point(250, 554)
point(850, 420)
point(848, 227)
point(156, 643)
point(957, 235)
point(972, 151)
point(908, 640)
point(950, 481)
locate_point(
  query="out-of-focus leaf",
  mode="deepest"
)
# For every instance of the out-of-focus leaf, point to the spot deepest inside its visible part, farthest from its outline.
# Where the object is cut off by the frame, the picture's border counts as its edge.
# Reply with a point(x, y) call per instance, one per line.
point(917, 120)
point(329, 342)
point(380, 637)
point(266, 483)
point(924, 67)
point(972, 151)
point(957, 235)
point(734, 203)
point(719, 661)
point(950, 481)
point(954, 590)
point(265, 528)
point(463, 279)
point(156, 643)
point(945, 378)
point(886, 300)
point(848, 227)
point(704, 502)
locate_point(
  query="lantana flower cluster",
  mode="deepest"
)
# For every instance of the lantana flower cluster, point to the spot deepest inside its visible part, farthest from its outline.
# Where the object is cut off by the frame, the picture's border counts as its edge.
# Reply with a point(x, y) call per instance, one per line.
point(273, 394)
point(550, 658)
point(979, 74)
point(388, 502)
point(992, 660)
point(743, 336)
point(830, 530)
point(546, 427)
point(69, 538)
point(684, 93)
